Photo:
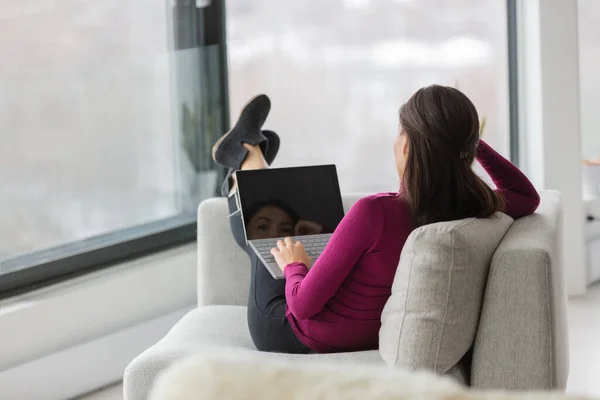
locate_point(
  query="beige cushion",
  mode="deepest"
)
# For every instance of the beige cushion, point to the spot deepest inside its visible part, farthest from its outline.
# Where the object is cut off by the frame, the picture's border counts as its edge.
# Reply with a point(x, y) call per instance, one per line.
point(218, 328)
point(431, 318)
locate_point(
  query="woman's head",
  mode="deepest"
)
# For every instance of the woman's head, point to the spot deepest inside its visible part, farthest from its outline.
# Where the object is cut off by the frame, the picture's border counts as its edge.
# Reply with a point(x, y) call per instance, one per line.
point(270, 219)
point(436, 145)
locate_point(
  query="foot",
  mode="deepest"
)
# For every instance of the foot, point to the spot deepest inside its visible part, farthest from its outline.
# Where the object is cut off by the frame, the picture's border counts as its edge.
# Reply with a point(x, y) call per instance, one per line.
point(270, 148)
point(254, 160)
point(229, 150)
point(228, 186)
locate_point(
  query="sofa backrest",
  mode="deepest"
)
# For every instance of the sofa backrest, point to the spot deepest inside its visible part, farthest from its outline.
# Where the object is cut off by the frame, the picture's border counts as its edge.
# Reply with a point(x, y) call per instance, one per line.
point(522, 341)
point(430, 320)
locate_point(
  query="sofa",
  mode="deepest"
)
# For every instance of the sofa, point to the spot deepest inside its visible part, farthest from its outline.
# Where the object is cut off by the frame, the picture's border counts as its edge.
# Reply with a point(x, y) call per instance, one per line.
point(518, 339)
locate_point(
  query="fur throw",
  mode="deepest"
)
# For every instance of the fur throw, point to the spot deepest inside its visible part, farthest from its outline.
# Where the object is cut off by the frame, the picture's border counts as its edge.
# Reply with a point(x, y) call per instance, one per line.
point(239, 376)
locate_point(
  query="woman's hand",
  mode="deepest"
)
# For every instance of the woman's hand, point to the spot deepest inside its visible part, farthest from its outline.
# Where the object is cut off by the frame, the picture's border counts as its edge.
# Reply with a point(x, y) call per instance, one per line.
point(288, 252)
point(307, 228)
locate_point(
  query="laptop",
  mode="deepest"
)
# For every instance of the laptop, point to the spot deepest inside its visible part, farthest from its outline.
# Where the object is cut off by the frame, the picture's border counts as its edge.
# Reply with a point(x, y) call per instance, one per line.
point(304, 203)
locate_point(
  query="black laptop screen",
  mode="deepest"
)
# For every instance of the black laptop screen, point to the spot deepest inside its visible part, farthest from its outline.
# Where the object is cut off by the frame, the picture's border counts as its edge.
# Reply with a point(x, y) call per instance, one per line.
point(290, 201)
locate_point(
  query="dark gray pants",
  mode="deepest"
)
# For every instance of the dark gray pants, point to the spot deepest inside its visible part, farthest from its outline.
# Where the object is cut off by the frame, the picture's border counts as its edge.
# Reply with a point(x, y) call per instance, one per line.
point(269, 327)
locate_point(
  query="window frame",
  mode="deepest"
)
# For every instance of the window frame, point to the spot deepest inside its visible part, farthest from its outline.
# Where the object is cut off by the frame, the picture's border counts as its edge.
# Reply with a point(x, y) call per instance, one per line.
point(513, 81)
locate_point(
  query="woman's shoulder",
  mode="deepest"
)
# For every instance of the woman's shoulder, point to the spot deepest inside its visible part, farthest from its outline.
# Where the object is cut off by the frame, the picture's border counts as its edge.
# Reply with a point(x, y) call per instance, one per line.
point(383, 201)
point(387, 210)
point(383, 197)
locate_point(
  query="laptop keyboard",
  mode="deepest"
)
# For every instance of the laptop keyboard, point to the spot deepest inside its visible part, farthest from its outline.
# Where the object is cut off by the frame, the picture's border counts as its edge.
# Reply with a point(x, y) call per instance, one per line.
point(313, 244)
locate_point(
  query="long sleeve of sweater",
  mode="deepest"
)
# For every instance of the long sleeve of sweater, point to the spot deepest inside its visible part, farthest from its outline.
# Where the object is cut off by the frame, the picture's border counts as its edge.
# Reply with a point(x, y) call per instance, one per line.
point(306, 291)
point(520, 197)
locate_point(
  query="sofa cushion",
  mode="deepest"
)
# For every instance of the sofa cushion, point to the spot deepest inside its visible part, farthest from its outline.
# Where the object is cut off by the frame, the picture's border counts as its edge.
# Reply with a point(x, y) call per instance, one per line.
point(431, 318)
point(205, 329)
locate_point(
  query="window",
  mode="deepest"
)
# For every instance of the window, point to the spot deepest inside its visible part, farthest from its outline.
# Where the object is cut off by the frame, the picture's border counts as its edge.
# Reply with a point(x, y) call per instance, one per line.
point(589, 65)
point(337, 72)
point(109, 108)
point(107, 115)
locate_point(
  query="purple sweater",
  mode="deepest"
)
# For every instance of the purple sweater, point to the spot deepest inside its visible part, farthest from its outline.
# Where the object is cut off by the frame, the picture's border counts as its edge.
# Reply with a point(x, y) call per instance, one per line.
point(337, 305)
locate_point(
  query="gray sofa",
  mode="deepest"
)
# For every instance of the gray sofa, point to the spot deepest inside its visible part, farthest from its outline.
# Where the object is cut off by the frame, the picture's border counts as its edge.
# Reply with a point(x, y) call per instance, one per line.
point(519, 342)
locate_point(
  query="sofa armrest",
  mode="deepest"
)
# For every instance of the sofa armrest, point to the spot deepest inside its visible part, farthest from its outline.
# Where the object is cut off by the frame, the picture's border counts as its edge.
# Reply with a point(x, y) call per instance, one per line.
point(521, 341)
point(223, 268)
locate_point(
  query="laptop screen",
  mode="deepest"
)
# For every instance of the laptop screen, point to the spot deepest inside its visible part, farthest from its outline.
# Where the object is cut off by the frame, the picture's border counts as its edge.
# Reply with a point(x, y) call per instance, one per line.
point(289, 201)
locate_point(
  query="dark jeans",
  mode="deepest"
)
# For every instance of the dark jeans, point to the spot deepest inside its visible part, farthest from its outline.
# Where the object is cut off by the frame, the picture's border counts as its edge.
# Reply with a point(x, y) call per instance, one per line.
point(269, 327)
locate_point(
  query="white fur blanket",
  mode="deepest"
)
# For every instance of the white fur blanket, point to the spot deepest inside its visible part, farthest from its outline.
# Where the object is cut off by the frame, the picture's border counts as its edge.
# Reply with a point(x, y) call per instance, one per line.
point(235, 376)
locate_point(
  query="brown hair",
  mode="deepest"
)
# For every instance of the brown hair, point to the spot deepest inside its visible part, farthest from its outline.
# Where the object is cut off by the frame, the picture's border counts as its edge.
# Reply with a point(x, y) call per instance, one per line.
point(442, 128)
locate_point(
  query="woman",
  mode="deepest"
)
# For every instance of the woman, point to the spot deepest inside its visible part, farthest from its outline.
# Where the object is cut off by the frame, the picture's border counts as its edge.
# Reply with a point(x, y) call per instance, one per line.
point(335, 304)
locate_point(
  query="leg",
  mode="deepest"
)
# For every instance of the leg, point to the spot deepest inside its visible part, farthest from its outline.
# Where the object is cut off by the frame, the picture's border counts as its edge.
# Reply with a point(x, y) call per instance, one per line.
point(268, 324)
point(237, 226)
point(265, 292)
point(254, 160)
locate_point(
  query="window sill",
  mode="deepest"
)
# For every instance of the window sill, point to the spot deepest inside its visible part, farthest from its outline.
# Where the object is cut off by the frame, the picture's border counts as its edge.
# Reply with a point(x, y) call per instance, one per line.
point(36, 270)
point(79, 310)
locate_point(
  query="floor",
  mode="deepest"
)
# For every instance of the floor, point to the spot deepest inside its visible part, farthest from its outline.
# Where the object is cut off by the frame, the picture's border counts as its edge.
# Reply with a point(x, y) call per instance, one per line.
point(584, 344)
point(584, 330)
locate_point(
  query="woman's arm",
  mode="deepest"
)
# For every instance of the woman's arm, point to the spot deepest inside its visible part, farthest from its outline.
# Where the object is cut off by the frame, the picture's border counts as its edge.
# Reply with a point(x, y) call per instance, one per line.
point(308, 292)
point(519, 195)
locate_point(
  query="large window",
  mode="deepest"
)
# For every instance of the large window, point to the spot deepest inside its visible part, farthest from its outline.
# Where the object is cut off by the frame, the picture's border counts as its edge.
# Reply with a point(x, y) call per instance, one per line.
point(589, 64)
point(108, 110)
point(338, 70)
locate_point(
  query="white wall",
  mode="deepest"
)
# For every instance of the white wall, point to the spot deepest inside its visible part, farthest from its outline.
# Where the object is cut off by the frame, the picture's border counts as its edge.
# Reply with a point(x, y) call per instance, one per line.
point(126, 304)
point(550, 117)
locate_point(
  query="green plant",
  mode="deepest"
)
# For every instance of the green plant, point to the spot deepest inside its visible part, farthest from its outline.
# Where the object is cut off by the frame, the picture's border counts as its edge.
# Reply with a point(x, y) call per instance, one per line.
point(200, 129)
point(482, 125)
point(483, 119)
